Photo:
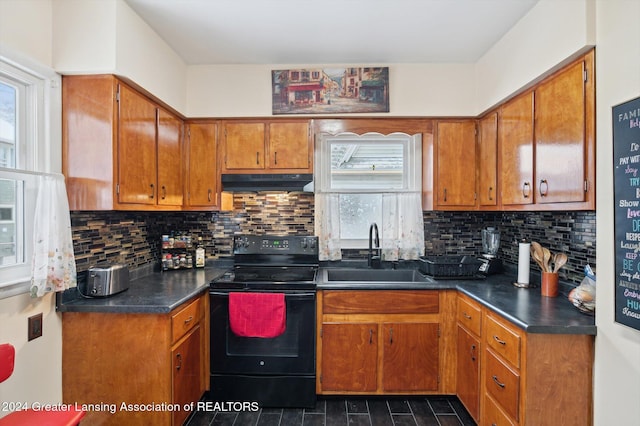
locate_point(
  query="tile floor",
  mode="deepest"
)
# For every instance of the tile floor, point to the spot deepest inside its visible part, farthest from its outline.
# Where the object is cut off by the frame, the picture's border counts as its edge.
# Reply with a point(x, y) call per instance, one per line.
point(421, 411)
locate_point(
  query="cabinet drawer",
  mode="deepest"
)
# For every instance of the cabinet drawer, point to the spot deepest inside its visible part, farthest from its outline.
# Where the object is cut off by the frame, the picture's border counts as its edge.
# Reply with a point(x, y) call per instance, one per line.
point(380, 302)
point(503, 384)
point(503, 340)
point(469, 315)
point(185, 319)
point(493, 415)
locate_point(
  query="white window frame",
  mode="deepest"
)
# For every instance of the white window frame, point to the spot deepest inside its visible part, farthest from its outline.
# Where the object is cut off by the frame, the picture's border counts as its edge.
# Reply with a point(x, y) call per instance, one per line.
point(39, 145)
point(412, 176)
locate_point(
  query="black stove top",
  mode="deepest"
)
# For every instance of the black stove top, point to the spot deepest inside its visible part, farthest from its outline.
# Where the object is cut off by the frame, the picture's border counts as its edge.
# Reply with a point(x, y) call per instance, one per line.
point(268, 277)
point(271, 263)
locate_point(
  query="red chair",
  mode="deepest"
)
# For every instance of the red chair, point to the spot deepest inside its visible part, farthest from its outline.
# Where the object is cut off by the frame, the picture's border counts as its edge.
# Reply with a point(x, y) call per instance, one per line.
point(32, 417)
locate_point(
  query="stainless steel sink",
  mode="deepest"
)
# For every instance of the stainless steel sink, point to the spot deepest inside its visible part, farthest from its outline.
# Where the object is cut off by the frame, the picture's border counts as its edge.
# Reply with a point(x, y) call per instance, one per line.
point(374, 275)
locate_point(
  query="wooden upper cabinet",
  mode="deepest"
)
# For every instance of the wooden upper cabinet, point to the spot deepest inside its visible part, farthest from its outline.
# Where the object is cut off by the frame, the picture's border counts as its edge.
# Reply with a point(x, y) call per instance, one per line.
point(170, 159)
point(202, 170)
point(515, 147)
point(546, 142)
point(267, 147)
point(244, 146)
point(137, 160)
point(121, 150)
point(487, 160)
point(456, 164)
point(89, 125)
point(289, 146)
point(560, 136)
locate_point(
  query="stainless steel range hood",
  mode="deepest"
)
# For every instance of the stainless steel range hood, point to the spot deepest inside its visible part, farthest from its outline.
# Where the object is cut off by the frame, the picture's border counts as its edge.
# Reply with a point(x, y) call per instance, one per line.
point(267, 182)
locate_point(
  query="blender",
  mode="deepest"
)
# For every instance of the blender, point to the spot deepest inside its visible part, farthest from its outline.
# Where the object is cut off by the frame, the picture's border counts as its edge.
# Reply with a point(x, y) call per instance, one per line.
point(491, 264)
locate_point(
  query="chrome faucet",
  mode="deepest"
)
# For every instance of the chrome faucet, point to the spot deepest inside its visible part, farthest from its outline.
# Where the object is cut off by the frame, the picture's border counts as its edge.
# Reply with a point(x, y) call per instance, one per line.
point(374, 260)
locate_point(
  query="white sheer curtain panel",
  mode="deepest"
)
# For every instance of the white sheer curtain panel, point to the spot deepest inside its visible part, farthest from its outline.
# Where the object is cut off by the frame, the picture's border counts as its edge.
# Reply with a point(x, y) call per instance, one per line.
point(327, 226)
point(402, 226)
point(53, 263)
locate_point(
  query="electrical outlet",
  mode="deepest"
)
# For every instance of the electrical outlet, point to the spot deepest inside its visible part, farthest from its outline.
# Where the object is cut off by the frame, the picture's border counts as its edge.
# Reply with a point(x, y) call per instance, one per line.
point(35, 326)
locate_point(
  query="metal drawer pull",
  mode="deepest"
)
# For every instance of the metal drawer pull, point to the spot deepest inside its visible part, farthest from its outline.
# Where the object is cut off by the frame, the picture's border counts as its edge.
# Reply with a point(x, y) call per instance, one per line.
point(497, 339)
point(153, 191)
point(370, 336)
point(275, 157)
point(257, 157)
point(526, 189)
point(391, 336)
point(490, 190)
point(445, 195)
point(473, 352)
point(179, 358)
point(466, 315)
point(164, 192)
point(188, 320)
point(495, 379)
point(209, 195)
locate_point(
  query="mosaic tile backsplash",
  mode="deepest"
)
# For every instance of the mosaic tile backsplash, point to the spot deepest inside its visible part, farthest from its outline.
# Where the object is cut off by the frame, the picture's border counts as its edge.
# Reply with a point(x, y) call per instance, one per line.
point(134, 237)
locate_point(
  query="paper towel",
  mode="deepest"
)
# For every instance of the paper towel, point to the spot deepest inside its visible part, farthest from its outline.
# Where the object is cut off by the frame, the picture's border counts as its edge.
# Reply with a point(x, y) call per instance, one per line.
point(524, 255)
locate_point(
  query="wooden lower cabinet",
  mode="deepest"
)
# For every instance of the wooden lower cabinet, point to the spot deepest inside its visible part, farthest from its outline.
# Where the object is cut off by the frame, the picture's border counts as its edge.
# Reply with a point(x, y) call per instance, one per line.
point(468, 372)
point(382, 342)
point(534, 379)
point(351, 351)
point(136, 369)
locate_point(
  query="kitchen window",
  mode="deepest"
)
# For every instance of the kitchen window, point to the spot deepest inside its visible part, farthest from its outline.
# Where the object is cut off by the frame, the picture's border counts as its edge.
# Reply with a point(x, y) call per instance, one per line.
point(365, 179)
point(26, 141)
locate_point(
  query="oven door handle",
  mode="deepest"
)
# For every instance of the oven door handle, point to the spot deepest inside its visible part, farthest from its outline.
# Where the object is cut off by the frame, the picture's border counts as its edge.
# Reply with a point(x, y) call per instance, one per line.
point(286, 295)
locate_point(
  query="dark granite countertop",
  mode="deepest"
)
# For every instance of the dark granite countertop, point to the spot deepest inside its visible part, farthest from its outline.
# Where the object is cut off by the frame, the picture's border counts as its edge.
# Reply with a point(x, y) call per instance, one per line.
point(157, 292)
point(524, 307)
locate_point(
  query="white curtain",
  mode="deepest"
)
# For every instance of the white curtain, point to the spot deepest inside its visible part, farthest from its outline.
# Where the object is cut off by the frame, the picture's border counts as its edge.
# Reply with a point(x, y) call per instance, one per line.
point(327, 226)
point(401, 230)
point(402, 226)
point(53, 264)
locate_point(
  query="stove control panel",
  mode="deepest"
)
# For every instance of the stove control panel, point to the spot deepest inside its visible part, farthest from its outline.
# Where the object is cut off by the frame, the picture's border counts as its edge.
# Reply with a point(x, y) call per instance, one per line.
point(269, 244)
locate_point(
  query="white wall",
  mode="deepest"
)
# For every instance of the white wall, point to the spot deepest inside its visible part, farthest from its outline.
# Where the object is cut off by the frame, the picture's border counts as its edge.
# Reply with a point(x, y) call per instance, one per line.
point(106, 36)
point(25, 27)
point(617, 367)
point(552, 31)
point(25, 35)
point(415, 90)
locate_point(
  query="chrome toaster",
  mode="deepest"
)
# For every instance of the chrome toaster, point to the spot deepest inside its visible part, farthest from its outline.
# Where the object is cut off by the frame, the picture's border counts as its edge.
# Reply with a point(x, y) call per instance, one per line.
point(106, 280)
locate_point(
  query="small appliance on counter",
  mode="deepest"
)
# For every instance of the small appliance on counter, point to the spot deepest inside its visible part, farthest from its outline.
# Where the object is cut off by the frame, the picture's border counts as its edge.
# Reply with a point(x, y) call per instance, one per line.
point(105, 280)
point(491, 264)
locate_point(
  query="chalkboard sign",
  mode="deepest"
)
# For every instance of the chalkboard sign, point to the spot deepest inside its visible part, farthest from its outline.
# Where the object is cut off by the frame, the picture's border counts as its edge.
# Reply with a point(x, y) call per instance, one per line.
point(626, 158)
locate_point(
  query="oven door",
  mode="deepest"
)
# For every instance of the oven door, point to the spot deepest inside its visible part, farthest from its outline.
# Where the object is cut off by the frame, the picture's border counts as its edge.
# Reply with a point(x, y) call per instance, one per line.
point(291, 353)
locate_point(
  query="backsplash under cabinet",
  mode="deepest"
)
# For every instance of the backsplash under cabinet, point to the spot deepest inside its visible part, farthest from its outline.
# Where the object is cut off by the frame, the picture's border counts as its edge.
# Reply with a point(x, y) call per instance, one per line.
point(132, 237)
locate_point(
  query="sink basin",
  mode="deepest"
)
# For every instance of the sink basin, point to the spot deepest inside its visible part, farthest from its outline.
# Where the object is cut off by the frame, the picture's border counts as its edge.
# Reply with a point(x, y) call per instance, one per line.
point(374, 275)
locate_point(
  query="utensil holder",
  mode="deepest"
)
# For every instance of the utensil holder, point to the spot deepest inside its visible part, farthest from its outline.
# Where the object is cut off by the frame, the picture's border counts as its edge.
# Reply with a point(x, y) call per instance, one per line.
point(549, 287)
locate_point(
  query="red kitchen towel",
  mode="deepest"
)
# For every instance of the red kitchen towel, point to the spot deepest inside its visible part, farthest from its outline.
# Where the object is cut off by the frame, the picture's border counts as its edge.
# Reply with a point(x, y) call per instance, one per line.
point(257, 314)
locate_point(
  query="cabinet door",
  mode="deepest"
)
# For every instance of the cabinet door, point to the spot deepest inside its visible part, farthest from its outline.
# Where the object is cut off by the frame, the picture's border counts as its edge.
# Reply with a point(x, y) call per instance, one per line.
point(515, 142)
point(170, 189)
point(289, 146)
point(349, 357)
point(468, 372)
point(136, 148)
point(202, 180)
point(411, 357)
point(487, 160)
point(560, 137)
point(186, 373)
point(244, 146)
point(456, 163)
